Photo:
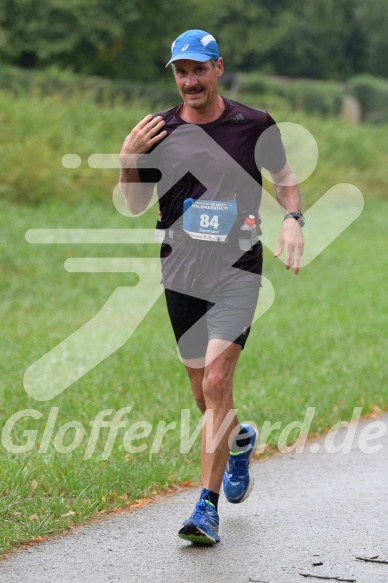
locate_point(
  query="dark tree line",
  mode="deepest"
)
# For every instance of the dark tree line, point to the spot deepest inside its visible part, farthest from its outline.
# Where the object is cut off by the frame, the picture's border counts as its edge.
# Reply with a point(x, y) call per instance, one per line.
point(321, 39)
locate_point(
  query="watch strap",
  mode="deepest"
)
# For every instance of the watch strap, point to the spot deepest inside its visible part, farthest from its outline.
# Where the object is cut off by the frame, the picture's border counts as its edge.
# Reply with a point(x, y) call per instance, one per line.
point(297, 216)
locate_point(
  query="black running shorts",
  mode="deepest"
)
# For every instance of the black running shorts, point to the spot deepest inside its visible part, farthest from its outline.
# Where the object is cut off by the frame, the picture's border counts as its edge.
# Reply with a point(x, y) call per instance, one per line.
point(226, 313)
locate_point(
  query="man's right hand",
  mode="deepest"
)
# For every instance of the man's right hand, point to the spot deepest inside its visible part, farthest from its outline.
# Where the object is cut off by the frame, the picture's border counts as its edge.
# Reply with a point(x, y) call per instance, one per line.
point(138, 142)
point(144, 135)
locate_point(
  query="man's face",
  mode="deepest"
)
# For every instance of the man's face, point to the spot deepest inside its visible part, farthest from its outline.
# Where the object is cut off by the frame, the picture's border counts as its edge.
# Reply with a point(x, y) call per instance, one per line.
point(198, 82)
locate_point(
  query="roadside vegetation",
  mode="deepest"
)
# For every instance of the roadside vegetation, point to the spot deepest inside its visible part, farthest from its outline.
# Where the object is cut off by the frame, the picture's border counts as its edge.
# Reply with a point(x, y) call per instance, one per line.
point(322, 344)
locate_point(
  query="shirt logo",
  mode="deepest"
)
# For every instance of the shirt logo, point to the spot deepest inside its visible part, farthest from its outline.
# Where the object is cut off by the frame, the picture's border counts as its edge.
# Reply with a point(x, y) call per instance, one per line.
point(239, 118)
point(185, 47)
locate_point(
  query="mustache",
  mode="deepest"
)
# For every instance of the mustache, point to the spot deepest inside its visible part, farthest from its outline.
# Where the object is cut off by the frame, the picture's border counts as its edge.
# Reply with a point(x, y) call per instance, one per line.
point(194, 88)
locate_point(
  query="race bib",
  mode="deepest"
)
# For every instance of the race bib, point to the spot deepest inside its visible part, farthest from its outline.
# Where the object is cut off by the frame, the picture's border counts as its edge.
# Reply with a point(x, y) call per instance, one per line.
point(209, 220)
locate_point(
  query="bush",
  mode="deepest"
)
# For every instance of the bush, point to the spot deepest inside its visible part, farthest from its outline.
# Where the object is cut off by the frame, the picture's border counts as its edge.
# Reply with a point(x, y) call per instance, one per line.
point(52, 81)
point(36, 131)
point(313, 97)
point(322, 98)
point(252, 83)
point(372, 93)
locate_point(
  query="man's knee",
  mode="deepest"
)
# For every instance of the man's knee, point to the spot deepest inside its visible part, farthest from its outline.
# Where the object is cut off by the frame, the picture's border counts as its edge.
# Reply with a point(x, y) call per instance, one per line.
point(216, 387)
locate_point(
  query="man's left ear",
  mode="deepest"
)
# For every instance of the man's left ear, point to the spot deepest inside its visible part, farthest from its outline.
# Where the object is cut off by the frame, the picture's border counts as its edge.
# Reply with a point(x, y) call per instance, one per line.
point(220, 67)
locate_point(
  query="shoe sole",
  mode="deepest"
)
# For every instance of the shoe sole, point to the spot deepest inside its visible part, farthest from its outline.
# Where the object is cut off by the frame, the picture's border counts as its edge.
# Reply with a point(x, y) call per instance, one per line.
point(251, 478)
point(194, 534)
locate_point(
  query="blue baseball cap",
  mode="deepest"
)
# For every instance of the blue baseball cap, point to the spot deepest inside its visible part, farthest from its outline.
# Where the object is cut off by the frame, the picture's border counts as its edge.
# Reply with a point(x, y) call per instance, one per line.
point(195, 45)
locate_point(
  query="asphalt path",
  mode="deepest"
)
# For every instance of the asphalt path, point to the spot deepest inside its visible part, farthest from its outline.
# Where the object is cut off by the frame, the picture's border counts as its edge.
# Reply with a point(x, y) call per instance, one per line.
point(308, 518)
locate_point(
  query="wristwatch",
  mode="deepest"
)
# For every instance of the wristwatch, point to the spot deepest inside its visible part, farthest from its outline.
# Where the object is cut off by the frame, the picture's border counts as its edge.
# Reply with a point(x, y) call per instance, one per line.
point(297, 216)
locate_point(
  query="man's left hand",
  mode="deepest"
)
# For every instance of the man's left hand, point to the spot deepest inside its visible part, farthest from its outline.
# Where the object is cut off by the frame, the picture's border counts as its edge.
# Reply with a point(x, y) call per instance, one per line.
point(291, 237)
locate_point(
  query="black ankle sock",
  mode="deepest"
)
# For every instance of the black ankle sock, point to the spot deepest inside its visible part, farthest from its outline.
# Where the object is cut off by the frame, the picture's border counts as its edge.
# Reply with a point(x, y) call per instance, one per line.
point(241, 441)
point(211, 496)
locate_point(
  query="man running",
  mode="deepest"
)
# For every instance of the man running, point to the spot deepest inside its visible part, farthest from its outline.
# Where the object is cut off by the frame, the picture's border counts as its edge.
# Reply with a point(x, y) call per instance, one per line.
point(205, 155)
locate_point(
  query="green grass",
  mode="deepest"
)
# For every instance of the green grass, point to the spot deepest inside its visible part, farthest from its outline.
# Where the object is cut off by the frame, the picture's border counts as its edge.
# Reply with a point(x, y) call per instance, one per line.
point(322, 344)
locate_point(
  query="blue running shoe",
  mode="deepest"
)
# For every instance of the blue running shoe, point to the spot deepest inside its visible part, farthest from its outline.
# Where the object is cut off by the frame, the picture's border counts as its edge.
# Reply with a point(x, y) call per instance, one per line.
point(238, 480)
point(202, 526)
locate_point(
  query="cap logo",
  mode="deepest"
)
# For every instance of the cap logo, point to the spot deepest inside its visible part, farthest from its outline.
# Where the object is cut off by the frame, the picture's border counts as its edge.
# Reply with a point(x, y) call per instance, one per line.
point(185, 47)
point(205, 40)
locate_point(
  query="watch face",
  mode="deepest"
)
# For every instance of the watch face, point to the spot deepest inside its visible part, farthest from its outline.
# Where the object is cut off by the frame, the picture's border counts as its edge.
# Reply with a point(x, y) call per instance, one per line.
point(301, 221)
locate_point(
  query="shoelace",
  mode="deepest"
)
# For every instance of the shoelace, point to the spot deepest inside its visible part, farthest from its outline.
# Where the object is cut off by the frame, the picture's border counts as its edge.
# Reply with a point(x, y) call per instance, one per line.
point(203, 510)
point(201, 507)
point(238, 467)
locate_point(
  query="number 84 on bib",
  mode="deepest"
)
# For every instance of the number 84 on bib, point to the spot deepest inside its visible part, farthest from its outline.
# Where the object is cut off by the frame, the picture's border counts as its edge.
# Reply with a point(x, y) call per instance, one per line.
point(209, 220)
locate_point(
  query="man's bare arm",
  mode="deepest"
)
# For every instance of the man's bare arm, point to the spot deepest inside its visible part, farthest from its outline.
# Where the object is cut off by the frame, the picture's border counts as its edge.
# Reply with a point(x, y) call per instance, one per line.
point(137, 194)
point(287, 190)
point(291, 236)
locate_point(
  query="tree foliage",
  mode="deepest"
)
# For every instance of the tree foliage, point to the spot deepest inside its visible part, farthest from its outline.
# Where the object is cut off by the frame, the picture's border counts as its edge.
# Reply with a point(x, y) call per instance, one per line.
point(323, 39)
